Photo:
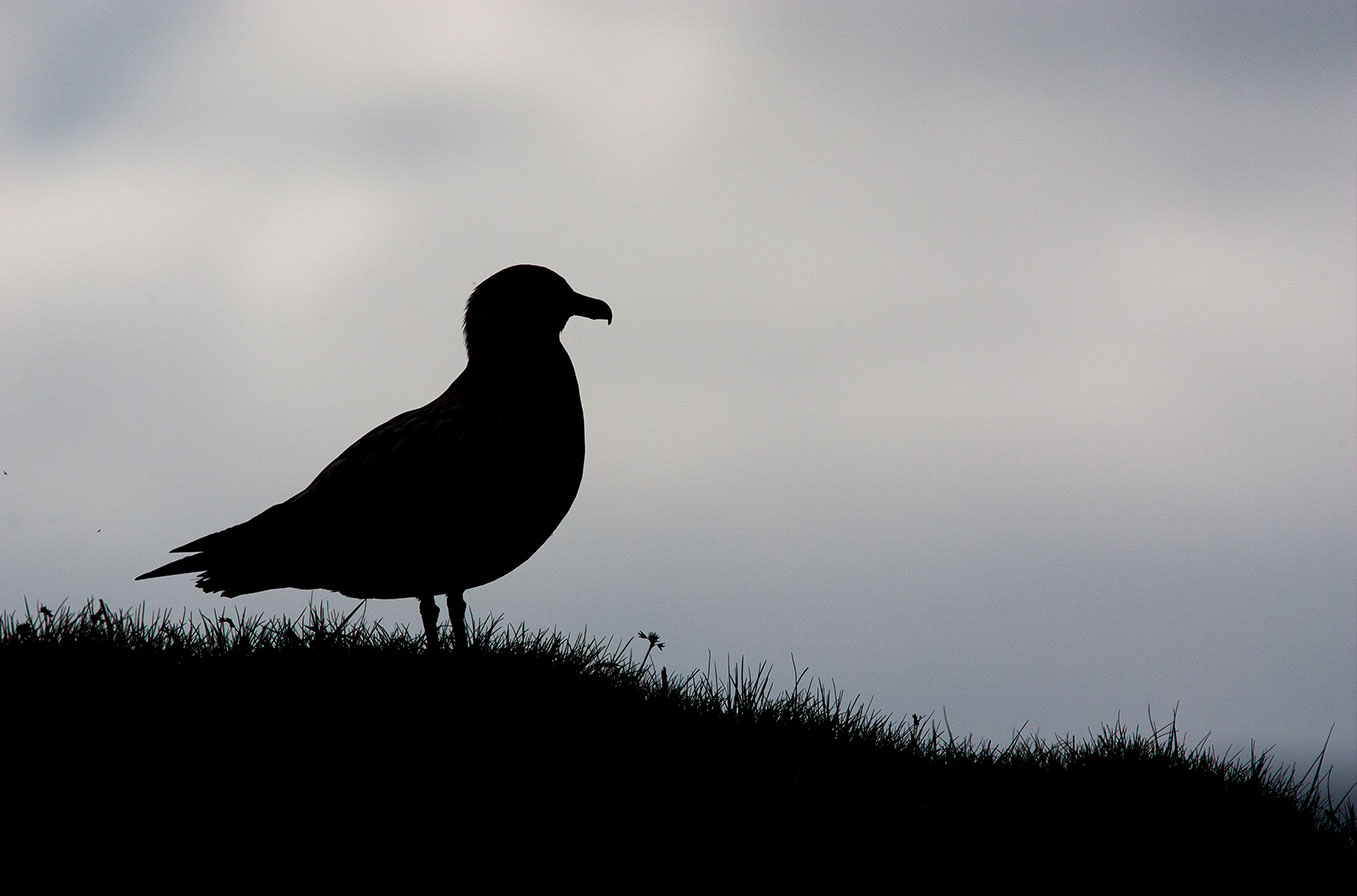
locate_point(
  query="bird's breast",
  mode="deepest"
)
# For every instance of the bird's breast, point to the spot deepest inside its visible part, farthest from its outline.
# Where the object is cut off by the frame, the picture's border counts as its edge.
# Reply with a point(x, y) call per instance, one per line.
point(511, 477)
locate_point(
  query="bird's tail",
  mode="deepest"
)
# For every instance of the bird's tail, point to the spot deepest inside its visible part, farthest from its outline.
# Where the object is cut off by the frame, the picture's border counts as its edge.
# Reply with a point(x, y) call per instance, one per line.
point(196, 563)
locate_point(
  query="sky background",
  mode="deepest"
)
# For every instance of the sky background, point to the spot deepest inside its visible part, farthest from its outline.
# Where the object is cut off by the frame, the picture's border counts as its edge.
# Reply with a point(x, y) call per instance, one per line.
point(989, 358)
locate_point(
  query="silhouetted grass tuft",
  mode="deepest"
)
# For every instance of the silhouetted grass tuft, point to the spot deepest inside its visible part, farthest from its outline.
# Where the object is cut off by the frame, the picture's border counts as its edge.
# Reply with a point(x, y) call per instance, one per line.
point(354, 722)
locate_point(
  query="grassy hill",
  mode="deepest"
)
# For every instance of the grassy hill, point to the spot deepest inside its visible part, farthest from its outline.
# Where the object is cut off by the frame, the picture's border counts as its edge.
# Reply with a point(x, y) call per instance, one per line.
point(237, 724)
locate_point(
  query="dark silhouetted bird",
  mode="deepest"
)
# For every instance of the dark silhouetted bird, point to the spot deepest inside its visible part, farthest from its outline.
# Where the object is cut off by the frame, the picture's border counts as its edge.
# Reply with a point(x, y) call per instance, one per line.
point(439, 499)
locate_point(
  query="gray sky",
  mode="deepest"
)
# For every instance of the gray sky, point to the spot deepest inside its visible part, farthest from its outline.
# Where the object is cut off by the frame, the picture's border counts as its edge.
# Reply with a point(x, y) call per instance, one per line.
point(995, 358)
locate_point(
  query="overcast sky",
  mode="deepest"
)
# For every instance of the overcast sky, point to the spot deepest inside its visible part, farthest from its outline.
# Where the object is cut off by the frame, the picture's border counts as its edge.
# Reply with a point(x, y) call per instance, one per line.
point(989, 358)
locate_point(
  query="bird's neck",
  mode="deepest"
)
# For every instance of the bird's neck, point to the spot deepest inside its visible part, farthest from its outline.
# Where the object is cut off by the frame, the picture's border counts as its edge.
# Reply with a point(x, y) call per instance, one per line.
point(534, 369)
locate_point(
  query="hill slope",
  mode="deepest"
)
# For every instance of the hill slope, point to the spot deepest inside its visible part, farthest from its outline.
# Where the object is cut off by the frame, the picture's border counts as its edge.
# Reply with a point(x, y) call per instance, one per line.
point(252, 726)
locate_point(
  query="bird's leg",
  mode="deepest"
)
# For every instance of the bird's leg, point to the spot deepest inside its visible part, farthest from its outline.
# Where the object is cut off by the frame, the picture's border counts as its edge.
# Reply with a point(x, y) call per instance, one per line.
point(428, 612)
point(457, 615)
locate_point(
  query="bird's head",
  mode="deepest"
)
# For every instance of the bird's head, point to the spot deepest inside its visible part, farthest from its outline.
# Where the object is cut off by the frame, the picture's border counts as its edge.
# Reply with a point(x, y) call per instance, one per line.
point(524, 306)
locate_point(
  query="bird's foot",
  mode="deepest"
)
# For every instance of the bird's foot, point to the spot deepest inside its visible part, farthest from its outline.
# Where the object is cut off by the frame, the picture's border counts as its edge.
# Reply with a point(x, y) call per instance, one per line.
point(457, 615)
point(428, 613)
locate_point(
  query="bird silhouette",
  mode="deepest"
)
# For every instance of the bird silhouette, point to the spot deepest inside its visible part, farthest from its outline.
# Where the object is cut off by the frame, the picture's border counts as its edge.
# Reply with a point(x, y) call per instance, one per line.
point(442, 498)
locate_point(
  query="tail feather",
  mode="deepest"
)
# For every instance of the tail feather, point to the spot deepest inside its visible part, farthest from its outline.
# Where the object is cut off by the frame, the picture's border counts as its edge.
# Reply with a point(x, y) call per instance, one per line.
point(223, 572)
point(196, 563)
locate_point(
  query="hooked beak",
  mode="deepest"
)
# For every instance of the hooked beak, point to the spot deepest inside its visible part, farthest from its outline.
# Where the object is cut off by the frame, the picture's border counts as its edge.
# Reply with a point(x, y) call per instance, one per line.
point(594, 309)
